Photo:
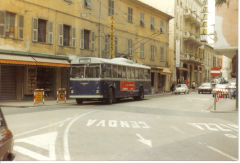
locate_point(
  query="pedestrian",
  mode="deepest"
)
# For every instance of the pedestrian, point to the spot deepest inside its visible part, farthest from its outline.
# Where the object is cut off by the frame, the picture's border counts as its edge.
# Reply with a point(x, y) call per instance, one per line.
point(172, 87)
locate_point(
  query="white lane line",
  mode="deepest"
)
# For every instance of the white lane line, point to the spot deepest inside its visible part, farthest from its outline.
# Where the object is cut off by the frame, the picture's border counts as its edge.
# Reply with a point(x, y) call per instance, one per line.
point(65, 137)
point(31, 154)
point(44, 127)
point(222, 153)
point(177, 129)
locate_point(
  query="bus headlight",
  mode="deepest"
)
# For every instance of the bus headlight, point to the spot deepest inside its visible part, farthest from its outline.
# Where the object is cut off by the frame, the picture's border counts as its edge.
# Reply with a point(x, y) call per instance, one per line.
point(72, 91)
point(97, 91)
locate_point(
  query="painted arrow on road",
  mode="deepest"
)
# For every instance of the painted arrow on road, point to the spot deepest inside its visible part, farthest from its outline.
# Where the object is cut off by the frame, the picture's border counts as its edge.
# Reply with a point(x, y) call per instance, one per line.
point(144, 141)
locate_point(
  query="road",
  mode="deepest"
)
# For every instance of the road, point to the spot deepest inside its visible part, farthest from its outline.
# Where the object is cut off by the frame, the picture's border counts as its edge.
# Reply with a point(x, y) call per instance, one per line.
point(159, 128)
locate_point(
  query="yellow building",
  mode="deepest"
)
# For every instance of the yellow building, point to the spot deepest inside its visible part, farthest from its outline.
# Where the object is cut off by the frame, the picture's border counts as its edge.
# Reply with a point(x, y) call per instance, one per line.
point(37, 36)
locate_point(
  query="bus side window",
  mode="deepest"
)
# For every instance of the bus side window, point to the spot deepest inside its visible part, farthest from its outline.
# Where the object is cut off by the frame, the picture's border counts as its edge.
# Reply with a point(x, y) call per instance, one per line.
point(136, 73)
point(128, 72)
point(124, 72)
point(108, 71)
point(132, 73)
point(119, 71)
point(115, 71)
point(141, 74)
point(145, 74)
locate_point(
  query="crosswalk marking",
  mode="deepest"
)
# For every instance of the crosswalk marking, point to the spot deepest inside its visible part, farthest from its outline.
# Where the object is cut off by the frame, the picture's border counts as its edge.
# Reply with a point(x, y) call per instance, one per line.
point(44, 141)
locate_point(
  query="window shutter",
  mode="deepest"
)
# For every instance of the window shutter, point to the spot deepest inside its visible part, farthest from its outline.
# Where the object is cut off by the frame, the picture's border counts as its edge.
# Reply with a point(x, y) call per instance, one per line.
point(35, 30)
point(89, 3)
point(116, 46)
point(82, 39)
point(20, 27)
point(50, 32)
point(2, 24)
point(93, 41)
point(60, 38)
point(73, 37)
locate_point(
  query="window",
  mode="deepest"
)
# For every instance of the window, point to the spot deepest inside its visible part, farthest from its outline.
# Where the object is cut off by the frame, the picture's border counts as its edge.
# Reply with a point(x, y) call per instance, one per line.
point(10, 25)
point(130, 15)
point(152, 23)
point(87, 3)
point(115, 71)
point(152, 52)
point(162, 27)
point(66, 35)
point(110, 7)
point(141, 50)
point(40, 29)
point(162, 54)
point(87, 38)
point(142, 23)
point(130, 50)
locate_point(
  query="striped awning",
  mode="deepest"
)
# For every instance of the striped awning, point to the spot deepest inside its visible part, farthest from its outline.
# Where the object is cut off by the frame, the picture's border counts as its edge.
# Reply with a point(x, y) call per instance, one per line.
point(30, 60)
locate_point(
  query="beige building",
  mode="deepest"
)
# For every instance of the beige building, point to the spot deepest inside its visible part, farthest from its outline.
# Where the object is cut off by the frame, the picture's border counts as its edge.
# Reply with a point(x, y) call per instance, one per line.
point(37, 36)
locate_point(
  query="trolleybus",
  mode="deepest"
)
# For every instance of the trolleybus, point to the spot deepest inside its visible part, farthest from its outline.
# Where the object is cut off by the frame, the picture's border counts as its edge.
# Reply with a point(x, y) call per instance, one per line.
point(108, 79)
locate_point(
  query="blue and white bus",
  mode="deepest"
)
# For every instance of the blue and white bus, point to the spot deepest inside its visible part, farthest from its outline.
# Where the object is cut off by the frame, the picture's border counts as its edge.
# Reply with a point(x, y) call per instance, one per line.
point(108, 79)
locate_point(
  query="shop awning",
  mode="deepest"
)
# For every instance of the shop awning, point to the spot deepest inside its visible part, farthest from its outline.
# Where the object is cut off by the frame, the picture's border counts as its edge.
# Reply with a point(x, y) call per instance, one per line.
point(30, 60)
point(167, 71)
point(182, 69)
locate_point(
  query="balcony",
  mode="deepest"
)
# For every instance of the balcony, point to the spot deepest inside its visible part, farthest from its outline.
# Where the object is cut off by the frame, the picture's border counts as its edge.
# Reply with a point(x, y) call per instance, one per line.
point(192, 16)
point(191, 37)
point(190, 58)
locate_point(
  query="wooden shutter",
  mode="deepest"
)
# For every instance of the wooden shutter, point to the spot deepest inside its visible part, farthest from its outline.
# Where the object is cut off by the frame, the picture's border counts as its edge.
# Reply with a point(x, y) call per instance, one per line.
point(2, 23)
point(20, 27)
point(60, 34)
point(50, 32)
point(82, 38)
point(88, 3)
point(93, 41)
point(35, 30)
point(74, 37)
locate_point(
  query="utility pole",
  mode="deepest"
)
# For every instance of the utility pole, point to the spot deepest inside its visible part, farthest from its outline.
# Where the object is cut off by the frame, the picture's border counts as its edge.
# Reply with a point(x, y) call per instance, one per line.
point(112, 36)
point(99, 30)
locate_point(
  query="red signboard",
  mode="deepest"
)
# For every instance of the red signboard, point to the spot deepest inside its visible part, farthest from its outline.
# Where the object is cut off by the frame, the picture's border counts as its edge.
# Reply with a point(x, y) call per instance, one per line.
point(215, 71)
point(127, 85)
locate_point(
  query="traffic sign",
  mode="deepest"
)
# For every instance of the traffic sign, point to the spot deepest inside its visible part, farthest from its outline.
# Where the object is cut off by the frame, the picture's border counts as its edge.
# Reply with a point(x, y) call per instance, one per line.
point(215, 71)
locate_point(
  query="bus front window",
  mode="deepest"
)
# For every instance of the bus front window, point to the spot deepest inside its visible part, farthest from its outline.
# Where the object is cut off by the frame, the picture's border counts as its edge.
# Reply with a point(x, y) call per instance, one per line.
point(77, 72)
point(92, 71)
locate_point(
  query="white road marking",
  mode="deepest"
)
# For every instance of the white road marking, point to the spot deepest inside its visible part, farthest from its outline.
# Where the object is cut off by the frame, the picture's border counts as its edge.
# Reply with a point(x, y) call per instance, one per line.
point(45, 141)
point(31, 154)
point(44, 127)
point(117, 123)
point(65, 137)
point(144, 141)
point(231, 136)
point(177, 129)
point(222, 153)
point(213, 127)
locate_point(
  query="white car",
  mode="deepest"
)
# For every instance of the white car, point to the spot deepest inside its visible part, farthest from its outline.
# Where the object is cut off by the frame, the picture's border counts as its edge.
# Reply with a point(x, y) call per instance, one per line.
point(205, 87)
point(181, 88)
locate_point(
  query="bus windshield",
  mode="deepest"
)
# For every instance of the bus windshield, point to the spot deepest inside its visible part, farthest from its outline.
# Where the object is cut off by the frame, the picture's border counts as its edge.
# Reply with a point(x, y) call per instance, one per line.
point(86, 71)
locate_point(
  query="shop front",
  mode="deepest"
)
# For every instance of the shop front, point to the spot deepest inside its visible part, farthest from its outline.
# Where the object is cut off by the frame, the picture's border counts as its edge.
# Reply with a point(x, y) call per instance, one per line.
point(20, 74)
point(160, 78)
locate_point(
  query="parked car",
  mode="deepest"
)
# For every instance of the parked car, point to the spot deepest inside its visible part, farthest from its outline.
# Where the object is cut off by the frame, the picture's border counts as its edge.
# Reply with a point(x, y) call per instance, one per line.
point(232, 89)
point(221, 88)
point(181, 88)
point(6, 140)
point(205, 87)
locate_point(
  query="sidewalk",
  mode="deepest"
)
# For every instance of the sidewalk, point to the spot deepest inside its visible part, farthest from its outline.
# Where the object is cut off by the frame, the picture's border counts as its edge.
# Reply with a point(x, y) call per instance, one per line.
point(224, 106)
point(23, 104)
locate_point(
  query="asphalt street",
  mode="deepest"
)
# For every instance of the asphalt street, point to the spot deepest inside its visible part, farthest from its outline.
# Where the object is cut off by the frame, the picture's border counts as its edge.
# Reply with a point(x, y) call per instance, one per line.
point(159, 128)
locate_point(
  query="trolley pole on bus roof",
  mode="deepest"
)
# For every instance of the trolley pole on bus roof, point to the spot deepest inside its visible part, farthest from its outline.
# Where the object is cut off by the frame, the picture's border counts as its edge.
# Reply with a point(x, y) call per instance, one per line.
point(112, 36)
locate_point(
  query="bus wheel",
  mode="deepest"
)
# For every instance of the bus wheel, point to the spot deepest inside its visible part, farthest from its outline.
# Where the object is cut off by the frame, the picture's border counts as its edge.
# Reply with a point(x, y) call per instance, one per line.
point(79, 101)
point(141, 94)
point(110, 98)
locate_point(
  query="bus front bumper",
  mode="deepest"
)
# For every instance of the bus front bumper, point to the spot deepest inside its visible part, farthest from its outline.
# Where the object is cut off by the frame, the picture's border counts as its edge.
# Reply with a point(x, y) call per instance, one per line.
point(86, 96)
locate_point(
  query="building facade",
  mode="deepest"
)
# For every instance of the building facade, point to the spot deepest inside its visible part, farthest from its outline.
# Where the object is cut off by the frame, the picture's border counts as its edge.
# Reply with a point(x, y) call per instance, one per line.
point(37, 36)
point(226, 27)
